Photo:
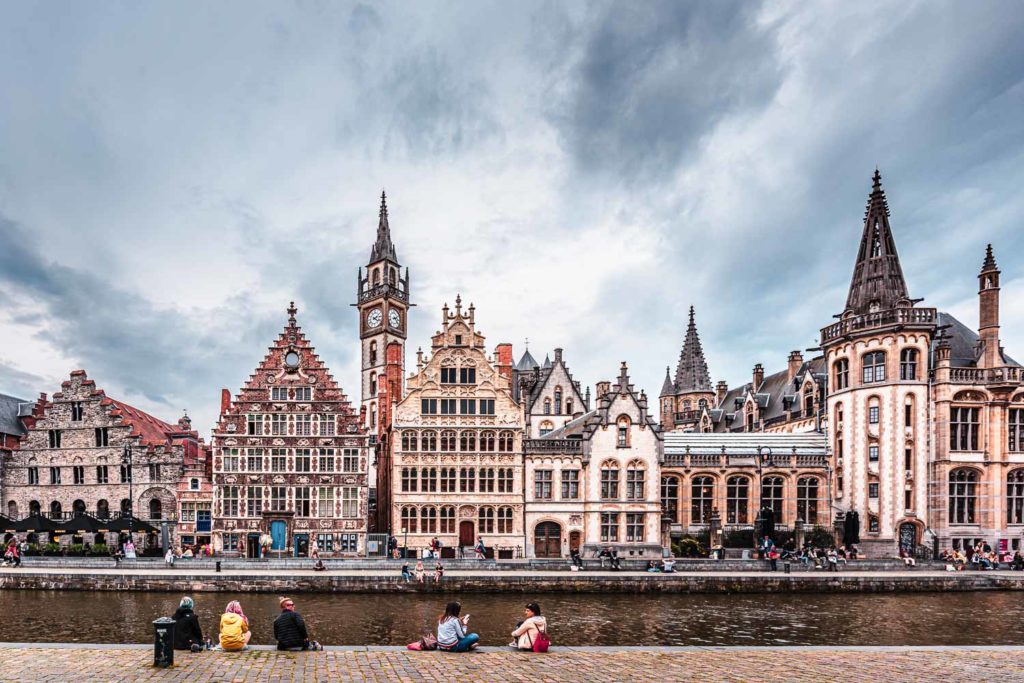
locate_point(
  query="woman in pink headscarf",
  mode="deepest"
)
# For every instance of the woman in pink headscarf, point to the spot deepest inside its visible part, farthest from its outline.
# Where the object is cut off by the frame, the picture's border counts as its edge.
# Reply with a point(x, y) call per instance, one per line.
point(234, 628)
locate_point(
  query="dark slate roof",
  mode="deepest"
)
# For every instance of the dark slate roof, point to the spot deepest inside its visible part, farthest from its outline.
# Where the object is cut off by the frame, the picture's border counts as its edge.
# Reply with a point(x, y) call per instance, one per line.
point(10, 409)
point(769, 396)
point(692, 369)
point(668, 388)
point(963, 343)
point(383, 248)
point(527, 362)
point(877, 275)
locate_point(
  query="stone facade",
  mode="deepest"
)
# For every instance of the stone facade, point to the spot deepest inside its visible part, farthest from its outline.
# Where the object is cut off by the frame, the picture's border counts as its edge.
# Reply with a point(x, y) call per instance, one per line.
point(593, 482)
point(289, 458)
point(456, 466)
point(71, 461)
point(549, 395)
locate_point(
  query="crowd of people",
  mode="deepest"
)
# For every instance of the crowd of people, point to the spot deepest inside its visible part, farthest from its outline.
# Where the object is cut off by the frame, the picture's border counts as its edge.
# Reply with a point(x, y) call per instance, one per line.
point(809, 556)
point(981, 556)
point(433, 550)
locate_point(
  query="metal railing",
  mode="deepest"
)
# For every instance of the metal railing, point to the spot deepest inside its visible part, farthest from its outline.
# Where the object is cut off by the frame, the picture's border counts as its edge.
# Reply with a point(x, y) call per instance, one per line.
point(553, 445)
point(383, 290)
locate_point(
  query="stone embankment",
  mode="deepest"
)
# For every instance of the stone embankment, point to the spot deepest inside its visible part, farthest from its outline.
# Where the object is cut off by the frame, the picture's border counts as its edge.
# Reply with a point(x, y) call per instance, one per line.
point(370, 581)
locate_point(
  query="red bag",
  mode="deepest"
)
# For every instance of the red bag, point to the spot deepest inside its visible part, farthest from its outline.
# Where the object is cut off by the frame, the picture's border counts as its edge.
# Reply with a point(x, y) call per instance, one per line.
point(542, 643)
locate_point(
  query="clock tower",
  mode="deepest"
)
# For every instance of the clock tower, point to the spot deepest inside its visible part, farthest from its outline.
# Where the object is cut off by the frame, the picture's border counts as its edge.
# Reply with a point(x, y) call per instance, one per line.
point(383, 302)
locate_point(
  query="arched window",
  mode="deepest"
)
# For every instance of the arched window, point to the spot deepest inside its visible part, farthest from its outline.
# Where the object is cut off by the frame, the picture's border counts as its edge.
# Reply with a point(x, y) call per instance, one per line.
point(126, 506)
point(467, 441)
point(841, 373)
point(670, 498)
point(408, 519)
point(750, 417)
point(428, 479)
point(156, 509)
point(487, 442)
point(807, 499)
point(622, 433)
point(486, 520)
point(373, 384)
point(839, 416)
point(610, 480)
point(373, 353)
point(809, 400)
point(702, 497)
point(409, 440)
point(772, 496)
point(964, 425)
point(908, 364)
point(737, 500)
point(376, 276)
point(635, 483)
point(568, 406)
point(55, 510)
point(1016, 429)
point(429, 442)
point(448, 440)
point(963, 496)
point(546, 426)
point(428, 520)
point(447, 520)
point(558, 400)
point(874, 367)
point(391, 276)
point(547, 406)
point(504, 520)
point(505, 442)
point(12, 509)
point(78, 507)
point(34, 508)
point(448, 478)
point(103, 509)
point(373, 415)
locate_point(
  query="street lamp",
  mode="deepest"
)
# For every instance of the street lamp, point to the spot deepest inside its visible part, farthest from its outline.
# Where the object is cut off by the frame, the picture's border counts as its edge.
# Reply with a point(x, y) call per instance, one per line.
point(126, 459)
point(764, 459)
point(405, 543)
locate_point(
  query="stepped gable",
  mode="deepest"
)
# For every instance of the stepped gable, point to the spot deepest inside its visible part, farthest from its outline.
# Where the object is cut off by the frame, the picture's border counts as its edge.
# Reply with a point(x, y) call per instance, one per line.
point(588, 423)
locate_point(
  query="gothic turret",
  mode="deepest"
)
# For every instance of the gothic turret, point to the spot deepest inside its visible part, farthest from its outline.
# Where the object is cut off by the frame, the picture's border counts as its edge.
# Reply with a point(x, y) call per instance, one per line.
point(692, 369)
point(383, 248)
point(685, 398)
point(990, 355)
point(877, 283)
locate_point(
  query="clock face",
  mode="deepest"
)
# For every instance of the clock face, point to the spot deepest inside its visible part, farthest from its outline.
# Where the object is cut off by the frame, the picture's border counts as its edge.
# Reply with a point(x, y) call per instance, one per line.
point(291, 359)
point(394, 319)
point(375, 318)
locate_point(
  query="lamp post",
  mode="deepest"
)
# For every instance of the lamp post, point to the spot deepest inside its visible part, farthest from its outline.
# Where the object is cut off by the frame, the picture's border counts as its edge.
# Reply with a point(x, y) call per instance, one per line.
point(405, 543)
point(764, 459)
point(126, 459)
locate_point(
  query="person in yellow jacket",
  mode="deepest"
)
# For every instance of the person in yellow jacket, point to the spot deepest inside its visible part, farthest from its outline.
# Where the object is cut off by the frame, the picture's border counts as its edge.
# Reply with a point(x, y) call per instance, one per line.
point(234, 628)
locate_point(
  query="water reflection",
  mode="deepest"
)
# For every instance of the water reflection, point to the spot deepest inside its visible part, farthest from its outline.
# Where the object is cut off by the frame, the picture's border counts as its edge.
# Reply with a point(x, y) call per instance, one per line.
point(607, 619)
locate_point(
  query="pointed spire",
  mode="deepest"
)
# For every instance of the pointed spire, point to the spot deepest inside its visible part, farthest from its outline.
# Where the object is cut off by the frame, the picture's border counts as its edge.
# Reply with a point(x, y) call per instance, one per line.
point(668, 388)
point(990, 260)
point(383, 248)
point(877, 282)
point(547, 362)
point(692, 370)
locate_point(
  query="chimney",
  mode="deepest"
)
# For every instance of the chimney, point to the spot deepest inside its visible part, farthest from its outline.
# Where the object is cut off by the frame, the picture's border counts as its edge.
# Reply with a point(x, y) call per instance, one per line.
point(988, 313)
point(603, 388)
point(558, 355)
point(758, 378)
point(721, 389)
point(796, 359)
point(503, 356)
point(225, 401)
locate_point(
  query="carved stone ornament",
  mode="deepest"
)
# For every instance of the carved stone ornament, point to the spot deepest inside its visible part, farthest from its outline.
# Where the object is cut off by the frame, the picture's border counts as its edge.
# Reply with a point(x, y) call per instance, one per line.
point(326, 524)
point(278, 479)
point(270, 379)
point(230, 427)
point(467, 511)
point(254, 524)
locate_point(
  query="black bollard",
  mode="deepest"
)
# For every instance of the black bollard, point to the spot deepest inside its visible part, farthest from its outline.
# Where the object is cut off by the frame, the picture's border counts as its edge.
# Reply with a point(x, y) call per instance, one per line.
point(218, 566)
point(163, 642)
point(785, 567)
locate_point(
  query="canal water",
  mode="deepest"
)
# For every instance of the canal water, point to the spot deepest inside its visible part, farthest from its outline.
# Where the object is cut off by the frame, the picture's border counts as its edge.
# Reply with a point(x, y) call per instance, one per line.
point(612, 619)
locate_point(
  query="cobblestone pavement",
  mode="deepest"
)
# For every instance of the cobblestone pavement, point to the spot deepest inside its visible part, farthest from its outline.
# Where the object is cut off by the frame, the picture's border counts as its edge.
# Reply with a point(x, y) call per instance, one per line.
point(566, 665)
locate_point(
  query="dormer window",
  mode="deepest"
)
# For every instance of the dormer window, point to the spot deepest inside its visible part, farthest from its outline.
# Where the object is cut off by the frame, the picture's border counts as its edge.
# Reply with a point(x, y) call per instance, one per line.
point(458, 339)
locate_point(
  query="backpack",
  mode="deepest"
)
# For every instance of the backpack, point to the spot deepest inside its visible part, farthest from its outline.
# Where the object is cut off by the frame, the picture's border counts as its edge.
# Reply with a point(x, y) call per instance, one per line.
point(542, 642)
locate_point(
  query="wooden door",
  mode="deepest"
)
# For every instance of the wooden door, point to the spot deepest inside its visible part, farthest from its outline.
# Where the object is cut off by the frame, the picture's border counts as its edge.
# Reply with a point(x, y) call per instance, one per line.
point(547, 540)
point(466, 536)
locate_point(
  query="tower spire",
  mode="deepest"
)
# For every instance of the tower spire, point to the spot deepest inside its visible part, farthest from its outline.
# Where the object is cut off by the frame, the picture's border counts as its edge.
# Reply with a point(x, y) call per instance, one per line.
point(692, 369)
point(877, 282)
point(383, 248)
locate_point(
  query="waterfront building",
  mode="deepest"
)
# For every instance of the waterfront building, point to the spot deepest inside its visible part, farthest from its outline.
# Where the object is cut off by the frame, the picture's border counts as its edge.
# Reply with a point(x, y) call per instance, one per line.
point(593, 482)
point(195, 495)
point(13, 412)
point(456, 466)
point(289, 458)
point(549, 395)
point(382, 297)
point(71, 460)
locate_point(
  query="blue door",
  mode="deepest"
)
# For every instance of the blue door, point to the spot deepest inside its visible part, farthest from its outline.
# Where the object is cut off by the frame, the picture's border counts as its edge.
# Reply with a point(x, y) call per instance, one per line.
point(278, 534)
point(203, 521)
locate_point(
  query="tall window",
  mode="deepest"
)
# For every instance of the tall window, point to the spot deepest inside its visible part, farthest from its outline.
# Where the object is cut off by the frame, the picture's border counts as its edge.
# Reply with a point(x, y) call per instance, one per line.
point(467, 441)
point(486, 480)
point(278, 425)
point(33, 476)
point(737, 503)
point(635, 484)
point(349, 501)
point(505, 442)
point(467, 375)
point(634, 527)
point(609, 527)
point(449, 375)
point(841, 373)
point(702, 497)
point(547, 406)
point(807, 499)
point(54, 475)
point(102, 437)
point(873, 415)
point(278, 497)
point(1016, 429)
point(486, 520)
point(302, 501)
point(76, 411)
point(874, 367)
point(610, 481)
point(448, 442)
point(429, 441)
point(486, 406)
point(278, 460)
point(254, 460)
point(964, 424)
point(326, 425)
point(873, 453)
point(908, 364)
point(963, 496)
point(428, 520)
point(254, 501)
point(772, 496)
point(809, 400)
point(622, 438)
point(230, 501)
point(558, 400)
point(303, 460)
point(504, 520)
point(447, 520)
point(1015, 497)
point(428, 479)
point(78, 474)
point(350, 460)
point(409, 519)
point(409, 440)
point(505, 480)
point(325, 501)
point(303, 425)
point(408, 479)
point(254, 425)
point(487, 442)
point(570, 484)
point(448, 480)
point(669, 497)
point(54, 436)
point(542, 481)
point(467, 480)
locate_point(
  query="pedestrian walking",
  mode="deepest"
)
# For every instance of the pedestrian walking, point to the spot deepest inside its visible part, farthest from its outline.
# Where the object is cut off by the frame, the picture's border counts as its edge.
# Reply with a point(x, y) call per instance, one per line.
point(481, 549)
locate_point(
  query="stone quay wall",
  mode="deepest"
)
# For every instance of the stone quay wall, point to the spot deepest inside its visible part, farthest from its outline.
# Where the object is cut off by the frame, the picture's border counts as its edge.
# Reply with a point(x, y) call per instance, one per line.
point(514, 582)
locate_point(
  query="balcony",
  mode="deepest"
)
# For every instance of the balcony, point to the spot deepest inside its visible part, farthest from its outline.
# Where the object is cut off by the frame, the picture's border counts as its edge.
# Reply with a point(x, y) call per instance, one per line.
point(1001, 376)
point(686, 416)
point(386, 291)
point(540, 446)
point(790, 460)
point(870, 321)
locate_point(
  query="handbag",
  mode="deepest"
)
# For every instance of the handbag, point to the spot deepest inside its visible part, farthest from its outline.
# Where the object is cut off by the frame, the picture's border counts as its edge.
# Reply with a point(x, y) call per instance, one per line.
point(542, 643)
point(428, 642)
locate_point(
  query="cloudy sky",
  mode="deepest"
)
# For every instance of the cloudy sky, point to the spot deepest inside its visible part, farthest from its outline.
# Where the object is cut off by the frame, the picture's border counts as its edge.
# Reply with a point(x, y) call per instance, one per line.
point(172, 175)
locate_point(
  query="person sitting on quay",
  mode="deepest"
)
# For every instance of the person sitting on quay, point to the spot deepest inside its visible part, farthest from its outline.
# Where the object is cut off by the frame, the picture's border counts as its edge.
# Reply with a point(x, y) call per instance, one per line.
point(577, 559)
point(451, 630)
point(616, 563)
point(438, 573)
point(234, 628)
point(652, 567)
point(908, 559)
point(833, 559)
point(604, 554)
point(421, 572)
point(187, 633)
point(1017, 564)
point(290, 629)
point(319, 565)
point(529, 629)
point(405, 572)
point(668, 565)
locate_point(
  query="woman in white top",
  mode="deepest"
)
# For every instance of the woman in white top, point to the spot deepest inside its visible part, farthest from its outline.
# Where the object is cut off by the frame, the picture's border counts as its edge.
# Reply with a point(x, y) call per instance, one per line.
point(530, 628)
point(451, 630)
